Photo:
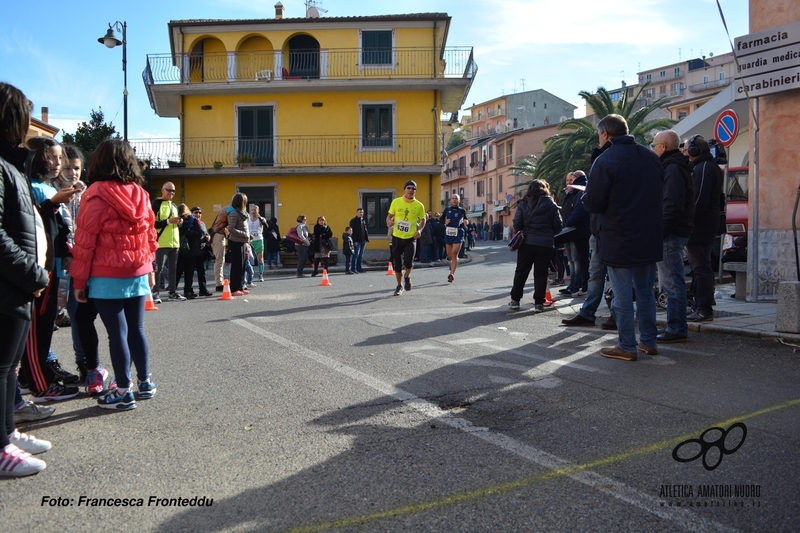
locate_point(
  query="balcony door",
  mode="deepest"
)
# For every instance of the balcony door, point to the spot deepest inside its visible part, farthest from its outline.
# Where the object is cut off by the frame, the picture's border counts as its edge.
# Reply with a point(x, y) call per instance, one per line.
point(303, 57)
point(256, 139)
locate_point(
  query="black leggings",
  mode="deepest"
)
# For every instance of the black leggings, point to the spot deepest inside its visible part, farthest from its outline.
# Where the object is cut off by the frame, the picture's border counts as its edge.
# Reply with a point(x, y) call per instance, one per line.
point(403, 251)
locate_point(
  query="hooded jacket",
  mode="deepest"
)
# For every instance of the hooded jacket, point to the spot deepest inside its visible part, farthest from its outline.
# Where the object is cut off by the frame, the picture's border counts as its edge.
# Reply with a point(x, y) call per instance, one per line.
point(625, 190)
point(678, 198)
point(708, 198)
point(20, 274)
point(116, 237)
point(540, 219)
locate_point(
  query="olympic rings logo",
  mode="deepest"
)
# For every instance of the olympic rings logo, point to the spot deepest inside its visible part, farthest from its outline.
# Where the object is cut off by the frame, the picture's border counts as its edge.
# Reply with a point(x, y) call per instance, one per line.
point(708, 445)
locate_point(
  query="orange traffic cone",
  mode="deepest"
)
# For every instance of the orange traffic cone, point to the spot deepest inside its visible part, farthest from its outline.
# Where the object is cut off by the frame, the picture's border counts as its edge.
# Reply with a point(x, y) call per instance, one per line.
point(226, 291)
point(548, 298)
point(325, 281)
point(148, 303)
point(390, 272)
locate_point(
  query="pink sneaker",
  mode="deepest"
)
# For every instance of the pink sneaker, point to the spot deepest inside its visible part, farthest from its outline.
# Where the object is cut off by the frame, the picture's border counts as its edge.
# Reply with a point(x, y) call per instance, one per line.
point(15, 462)
point(95, 380)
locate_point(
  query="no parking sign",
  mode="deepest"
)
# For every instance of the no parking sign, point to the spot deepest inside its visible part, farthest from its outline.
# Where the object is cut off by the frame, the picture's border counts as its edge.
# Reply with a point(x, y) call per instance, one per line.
point(726, 128)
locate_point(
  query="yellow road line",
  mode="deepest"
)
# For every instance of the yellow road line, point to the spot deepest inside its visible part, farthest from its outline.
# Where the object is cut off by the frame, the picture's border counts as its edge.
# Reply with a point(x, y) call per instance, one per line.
point(527, 481)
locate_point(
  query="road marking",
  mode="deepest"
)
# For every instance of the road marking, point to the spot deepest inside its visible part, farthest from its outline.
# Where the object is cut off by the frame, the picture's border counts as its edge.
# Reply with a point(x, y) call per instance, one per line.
point(461, 342)
point(558, 467)
point(310, 315)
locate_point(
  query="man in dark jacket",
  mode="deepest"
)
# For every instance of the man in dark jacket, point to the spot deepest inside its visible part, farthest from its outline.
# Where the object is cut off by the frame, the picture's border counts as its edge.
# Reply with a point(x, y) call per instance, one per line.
point(360, 240)
point(624, 189)
point(578, 218)
point(677, 224)
point(708, 197)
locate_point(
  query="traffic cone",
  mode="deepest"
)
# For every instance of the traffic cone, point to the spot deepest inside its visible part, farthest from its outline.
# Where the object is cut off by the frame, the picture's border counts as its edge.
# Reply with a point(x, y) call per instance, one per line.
point(148, 303)
point(548, 298)
point(325, 281)
point(390, 272)
point(226, 291)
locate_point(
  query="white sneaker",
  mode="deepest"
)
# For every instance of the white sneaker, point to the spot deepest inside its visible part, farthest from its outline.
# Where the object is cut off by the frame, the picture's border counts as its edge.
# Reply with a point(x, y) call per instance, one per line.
point(16, 463)
point(29, 443)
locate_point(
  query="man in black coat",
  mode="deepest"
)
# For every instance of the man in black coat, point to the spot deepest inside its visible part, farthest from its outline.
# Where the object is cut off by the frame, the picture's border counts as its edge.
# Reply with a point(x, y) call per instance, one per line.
point(624, 190)
point(360, 240)
point(708, 197)
point(678, 222)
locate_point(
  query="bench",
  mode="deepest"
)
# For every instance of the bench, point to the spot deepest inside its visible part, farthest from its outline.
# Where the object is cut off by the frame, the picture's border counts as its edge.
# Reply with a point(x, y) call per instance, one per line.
point(741, 281)
point(289, 259)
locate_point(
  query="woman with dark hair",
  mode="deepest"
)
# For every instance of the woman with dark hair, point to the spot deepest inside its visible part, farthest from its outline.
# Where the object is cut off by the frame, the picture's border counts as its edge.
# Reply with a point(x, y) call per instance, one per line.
point(321, 244)
point(40, 368)
point(23, 277)
point(302, 249)
point(239, 235)
point(115, 246)
point(538, 218)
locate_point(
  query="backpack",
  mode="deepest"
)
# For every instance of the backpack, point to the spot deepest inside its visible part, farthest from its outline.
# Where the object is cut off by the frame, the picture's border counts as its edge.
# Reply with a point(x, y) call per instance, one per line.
point(220, 223)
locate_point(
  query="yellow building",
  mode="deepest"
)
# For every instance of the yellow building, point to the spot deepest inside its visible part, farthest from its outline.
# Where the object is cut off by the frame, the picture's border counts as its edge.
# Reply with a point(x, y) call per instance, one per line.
point(309, 115)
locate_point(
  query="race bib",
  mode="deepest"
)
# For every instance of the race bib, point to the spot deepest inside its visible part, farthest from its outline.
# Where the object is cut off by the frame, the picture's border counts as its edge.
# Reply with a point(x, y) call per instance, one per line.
point(404, 226)
point(451, 232)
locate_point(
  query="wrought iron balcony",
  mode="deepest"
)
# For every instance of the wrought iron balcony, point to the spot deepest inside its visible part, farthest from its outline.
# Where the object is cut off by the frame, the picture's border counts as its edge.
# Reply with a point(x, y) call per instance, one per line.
point(280, 151)
point(332, 63)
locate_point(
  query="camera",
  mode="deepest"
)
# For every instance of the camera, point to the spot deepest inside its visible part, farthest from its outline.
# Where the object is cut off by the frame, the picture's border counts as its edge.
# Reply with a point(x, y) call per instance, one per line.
point(718, 152)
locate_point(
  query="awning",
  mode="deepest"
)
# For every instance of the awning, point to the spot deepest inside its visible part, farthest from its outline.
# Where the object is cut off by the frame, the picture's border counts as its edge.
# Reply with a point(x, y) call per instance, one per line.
point(476, 215)
point(499, 208)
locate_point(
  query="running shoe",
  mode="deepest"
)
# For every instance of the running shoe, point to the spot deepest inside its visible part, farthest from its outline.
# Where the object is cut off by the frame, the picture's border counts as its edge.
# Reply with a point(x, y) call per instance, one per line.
point(61, 374)
point(147, 389)
point(30, 412)
point(538, 308)
point(408, 284)
point(116, 400)
point(29, 443)
point(95, 381)
point(399, 290)
point(17, 463)
point(450, 278)
point(513, 305)
point(175, 297)
point(157, 300)
point(56, 392)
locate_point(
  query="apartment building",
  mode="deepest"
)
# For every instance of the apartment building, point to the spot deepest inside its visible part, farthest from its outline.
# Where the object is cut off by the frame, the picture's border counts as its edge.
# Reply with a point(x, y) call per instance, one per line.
point(313, 115)
point(523, 110)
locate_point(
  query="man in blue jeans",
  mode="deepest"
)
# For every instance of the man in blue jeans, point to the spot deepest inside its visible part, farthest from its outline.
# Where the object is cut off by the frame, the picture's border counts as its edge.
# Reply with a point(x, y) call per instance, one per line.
point(678, 223)
point(625, 191)
point(360, 240)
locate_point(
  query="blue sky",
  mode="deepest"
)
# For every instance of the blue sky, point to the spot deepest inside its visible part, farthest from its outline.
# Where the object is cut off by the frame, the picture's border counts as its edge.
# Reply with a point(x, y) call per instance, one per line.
point(50, 51)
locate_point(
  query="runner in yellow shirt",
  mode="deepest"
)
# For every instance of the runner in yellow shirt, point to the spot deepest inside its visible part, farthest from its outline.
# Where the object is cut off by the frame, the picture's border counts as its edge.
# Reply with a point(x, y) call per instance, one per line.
point(406, 218)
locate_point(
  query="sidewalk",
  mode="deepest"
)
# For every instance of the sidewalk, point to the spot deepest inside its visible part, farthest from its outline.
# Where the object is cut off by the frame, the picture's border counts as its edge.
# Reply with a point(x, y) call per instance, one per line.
point(731, 316)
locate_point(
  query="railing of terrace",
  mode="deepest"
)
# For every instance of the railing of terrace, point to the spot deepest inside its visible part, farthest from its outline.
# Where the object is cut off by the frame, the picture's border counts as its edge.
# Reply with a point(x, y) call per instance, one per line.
point(281, 151)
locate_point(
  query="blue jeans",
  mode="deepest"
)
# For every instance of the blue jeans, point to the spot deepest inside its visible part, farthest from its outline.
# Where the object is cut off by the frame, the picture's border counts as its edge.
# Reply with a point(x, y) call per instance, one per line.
point(358, 255)
point(124, 322)
point(272, 258)
point(672, 278)
point(597, 282)
point(624, 281)
point(302, 257)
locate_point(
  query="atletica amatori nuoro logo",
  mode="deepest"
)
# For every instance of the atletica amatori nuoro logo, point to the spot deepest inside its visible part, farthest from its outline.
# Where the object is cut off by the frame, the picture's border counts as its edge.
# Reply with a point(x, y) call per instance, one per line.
point(679, 453)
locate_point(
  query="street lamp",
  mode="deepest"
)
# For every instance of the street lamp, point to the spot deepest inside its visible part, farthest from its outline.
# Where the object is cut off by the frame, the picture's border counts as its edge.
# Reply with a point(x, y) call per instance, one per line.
point(110, 40)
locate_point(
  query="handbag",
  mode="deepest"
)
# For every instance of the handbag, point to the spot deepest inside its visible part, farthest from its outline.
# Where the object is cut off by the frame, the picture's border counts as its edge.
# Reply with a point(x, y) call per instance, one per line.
point(519, 237)
point(516, 241)
point(293, 236)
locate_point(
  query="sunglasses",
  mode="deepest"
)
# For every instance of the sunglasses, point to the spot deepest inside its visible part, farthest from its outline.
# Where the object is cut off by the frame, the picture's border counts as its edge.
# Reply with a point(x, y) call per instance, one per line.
point(170, 190)
point(411, 188)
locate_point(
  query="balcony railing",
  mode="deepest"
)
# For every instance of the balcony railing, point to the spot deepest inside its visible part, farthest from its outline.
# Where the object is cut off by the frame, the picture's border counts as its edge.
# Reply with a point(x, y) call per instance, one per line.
point(496, 113)
point(280, 151)
point(708, 86)
point(332, 63)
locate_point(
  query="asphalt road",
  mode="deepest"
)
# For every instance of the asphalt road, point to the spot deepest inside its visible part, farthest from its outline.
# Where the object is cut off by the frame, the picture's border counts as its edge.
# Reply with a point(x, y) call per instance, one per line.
point(342, 408)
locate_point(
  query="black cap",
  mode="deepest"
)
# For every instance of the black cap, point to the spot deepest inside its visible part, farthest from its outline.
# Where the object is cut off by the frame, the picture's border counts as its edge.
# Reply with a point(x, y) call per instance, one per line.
point(410, 182)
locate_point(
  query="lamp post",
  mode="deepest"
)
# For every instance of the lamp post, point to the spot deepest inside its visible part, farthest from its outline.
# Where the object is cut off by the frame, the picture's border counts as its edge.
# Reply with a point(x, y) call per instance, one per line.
point(110, 40)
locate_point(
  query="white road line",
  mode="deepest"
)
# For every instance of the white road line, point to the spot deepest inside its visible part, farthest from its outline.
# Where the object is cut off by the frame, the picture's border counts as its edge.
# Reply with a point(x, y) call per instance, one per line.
point(462, 342)
point(643, 501)
point(311, 315)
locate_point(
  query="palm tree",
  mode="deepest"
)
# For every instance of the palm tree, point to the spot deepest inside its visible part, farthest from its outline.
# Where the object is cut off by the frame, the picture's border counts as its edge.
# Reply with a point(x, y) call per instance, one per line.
point(572, 149)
